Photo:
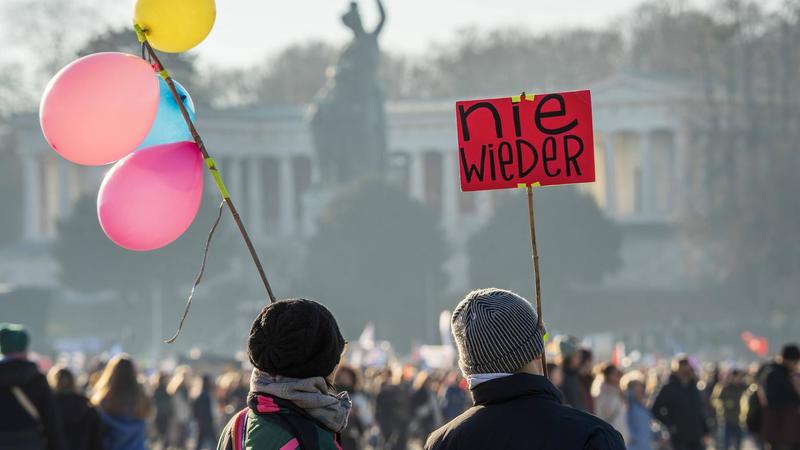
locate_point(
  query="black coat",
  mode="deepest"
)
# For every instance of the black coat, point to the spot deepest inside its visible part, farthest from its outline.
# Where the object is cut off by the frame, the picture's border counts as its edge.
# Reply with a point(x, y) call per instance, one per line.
point(781, 414)
point(680, 408)
point(82, 425)
point(13, 417)
point(523, 411)
point(572, 388)
point(202, 409)
point(777, 381)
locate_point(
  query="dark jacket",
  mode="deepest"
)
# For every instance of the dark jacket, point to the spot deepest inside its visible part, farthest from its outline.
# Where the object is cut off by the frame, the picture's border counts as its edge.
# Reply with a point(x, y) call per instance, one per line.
point(202, 410)
point(727, 401)
point(393, 408)
point(81, 422)
point(680, 408)
point(163, 405)
point(523, 411)
point(782, 411)
point(13, 417)
point(573, 390)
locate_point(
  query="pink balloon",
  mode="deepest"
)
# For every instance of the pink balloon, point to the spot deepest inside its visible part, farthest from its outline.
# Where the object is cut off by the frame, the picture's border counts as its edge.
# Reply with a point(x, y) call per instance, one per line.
point(99, 108)
point(149, 198)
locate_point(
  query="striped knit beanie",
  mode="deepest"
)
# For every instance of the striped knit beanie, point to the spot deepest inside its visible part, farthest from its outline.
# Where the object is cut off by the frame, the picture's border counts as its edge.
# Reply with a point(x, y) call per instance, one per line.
point(496, 332)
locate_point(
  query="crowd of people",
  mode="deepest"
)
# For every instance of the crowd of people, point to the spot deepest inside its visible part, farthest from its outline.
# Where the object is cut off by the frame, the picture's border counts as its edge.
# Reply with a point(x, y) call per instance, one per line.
point(680, 404)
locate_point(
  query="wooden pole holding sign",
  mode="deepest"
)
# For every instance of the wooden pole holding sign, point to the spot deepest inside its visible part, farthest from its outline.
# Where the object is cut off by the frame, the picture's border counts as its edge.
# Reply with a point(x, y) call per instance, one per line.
point(536, 278)
point(526, 141)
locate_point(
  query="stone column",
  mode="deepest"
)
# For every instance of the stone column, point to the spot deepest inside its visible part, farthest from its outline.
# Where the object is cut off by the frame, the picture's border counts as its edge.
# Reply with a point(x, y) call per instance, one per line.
point(32, 198)
point(254, 194)
point(288, 209)
point(450, 189)
point(416, 176)
point(64, 189)
point(232, 175)
point(682, 176)
point(611, 180)
point(648, 197)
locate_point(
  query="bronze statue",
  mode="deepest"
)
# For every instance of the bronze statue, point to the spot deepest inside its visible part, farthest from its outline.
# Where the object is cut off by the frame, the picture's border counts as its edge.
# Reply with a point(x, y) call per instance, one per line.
point(348, 120)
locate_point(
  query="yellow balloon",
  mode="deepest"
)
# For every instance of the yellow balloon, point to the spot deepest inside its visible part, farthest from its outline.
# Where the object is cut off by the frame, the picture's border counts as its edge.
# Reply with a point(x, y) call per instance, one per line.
point(175, 26)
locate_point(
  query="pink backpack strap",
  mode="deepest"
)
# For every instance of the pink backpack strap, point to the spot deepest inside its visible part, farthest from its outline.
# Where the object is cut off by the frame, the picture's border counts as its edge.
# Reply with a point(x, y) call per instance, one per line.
point(239, 429)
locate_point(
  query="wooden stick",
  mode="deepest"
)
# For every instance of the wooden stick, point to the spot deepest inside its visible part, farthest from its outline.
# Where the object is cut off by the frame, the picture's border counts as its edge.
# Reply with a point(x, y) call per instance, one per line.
point(536, 277)
point(212, 166)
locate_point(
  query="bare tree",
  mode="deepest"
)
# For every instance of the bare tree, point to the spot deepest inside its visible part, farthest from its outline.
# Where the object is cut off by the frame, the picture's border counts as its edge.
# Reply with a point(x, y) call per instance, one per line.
point(742, 214)
point(51, 30)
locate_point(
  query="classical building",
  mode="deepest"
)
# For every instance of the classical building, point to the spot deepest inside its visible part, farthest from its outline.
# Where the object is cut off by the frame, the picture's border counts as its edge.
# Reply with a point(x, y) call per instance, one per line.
point(644, 130)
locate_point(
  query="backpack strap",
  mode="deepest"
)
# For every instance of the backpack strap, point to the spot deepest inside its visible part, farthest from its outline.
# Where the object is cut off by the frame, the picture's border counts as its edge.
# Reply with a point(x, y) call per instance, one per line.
point(237, 434)
point(26, 403)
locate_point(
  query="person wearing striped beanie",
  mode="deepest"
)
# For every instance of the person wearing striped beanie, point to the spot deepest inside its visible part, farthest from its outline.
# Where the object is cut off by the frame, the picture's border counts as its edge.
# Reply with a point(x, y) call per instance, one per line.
point(515, 407)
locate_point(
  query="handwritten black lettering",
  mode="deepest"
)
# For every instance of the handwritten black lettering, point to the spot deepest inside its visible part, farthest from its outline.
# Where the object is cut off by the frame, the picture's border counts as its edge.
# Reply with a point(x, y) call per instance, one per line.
point(464, 114)
point(560, 112)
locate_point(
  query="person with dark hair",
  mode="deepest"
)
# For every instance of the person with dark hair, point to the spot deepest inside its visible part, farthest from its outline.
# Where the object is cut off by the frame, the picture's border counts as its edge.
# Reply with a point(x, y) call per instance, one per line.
point(680, 408)
point(571, 382)
point(82, 427)
point(586, 377)
point(727, 402)
point(361, 419)
point(124, 407)
point(426, 413)
point(393, 410)
point(163, 408)
point(295, 346)
point(203, 411)
point(500, 343)
point(29, 417)
point(781, 411)
point(753, 403)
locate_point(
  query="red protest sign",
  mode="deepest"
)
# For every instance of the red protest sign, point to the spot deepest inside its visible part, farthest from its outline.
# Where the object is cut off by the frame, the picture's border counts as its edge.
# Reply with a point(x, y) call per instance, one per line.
point(543, 138)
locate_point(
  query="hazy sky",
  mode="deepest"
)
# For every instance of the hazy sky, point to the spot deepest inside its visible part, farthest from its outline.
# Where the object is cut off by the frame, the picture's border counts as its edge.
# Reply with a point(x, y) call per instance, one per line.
point(412, 24)
point(248, 29)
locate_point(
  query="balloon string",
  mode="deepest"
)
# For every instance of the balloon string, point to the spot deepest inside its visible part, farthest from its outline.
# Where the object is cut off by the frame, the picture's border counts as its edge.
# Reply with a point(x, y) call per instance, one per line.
point(199, 276)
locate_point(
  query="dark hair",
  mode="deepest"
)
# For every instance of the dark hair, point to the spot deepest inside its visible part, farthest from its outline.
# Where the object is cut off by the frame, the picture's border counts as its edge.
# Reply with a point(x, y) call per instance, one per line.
point(354, 374)
point(790, 352)
point(679, 361)
point(607, 369)
point(61, 379)
point(161, 380)
point(202, 385)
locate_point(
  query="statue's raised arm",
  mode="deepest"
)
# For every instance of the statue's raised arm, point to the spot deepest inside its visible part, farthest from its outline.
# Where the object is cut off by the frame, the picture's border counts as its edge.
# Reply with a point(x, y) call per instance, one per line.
point(382, 12)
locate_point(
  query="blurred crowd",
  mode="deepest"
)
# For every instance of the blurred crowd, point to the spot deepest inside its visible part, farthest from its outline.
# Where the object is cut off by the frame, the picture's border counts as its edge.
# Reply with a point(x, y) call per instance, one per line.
point(676, 404)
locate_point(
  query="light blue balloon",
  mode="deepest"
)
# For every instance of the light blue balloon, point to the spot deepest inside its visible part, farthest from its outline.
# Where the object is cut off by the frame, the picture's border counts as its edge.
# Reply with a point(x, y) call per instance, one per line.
point(169, 126)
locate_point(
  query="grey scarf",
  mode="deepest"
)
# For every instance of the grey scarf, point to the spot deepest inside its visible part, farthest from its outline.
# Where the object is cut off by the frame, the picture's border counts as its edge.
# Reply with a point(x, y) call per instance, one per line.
point(310, 394)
